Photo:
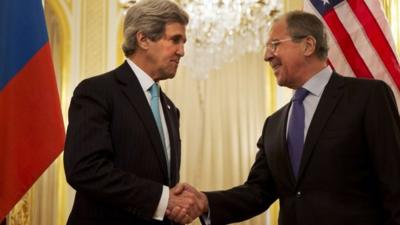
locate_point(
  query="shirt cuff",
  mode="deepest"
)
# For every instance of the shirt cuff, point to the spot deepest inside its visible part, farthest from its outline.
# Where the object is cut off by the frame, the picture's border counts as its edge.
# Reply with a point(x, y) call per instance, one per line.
point(162, 204)
point(206, 218)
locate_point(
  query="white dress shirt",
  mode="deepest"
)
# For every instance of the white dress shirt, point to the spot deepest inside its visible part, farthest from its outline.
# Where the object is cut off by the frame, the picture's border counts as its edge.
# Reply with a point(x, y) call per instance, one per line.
point(316, 86)
point(146, 82)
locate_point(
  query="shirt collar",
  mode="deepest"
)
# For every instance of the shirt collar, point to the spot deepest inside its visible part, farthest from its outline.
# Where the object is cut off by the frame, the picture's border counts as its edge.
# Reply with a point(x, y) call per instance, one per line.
point(144, 79)
point(317, 83)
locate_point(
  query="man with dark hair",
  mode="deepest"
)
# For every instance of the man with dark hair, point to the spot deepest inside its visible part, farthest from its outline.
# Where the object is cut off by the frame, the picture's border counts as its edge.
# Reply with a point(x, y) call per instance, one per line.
point(331, 156)
point(123, 148)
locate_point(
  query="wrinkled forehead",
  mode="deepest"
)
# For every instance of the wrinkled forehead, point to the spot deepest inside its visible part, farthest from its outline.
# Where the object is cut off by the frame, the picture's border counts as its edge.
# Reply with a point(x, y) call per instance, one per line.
point(278, 29)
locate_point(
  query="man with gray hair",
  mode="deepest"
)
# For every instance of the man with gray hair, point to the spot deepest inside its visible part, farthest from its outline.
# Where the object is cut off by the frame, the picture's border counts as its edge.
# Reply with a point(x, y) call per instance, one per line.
point(122, 152)
point(331, 155)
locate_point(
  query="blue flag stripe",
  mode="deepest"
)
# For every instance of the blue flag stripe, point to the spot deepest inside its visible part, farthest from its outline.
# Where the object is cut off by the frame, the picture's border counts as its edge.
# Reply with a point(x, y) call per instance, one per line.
point(22, 34)
point(325, 6)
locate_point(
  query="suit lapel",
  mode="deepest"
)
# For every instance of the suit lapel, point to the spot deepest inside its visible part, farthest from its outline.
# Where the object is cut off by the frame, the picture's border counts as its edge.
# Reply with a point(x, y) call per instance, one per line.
point(171, 121)
point(276, 150)
point(329, 99)
point(282, 131)
point(134, 92)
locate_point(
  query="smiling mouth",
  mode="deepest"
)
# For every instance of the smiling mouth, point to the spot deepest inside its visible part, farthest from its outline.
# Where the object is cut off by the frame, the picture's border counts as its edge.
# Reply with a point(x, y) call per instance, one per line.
point(275, 67)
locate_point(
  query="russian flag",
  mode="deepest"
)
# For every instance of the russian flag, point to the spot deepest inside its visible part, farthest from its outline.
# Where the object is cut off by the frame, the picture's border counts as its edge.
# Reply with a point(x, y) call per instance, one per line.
point(31, 126)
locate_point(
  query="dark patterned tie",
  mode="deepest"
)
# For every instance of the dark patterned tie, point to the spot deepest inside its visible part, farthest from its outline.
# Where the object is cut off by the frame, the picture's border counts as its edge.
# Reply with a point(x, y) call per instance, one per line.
point(295, 138)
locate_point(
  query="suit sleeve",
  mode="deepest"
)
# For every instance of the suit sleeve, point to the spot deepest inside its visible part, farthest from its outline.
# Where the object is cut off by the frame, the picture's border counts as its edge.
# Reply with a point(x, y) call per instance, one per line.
point(88, 156)
point(248, 200)
point(382, 125)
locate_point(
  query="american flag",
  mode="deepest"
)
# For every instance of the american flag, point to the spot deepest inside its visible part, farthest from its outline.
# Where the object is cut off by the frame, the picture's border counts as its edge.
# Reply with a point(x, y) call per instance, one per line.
point(360, 42)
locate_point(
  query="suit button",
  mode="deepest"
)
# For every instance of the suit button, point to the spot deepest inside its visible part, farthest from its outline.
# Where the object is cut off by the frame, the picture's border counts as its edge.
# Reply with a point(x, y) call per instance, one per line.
point(298, 194)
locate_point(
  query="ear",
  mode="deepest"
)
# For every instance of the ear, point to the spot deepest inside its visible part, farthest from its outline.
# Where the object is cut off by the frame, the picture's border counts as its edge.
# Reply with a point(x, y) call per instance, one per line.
point(310, 45)
point(142, 40)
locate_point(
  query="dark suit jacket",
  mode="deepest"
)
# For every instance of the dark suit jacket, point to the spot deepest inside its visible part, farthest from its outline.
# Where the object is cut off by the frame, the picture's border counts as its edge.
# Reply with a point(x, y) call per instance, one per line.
point(350, 168)
point(113, 155)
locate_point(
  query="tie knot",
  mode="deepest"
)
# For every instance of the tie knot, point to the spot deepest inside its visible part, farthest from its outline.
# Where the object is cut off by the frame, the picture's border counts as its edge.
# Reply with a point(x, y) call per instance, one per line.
point(300, 94)
point(155, 90)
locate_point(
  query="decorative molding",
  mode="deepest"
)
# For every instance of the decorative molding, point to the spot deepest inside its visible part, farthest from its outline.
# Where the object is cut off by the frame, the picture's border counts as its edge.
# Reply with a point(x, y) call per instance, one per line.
point(120, 38)
point(392, 12)
point(61, 19)
point(93, 37)
point(21, 213)
point(114, 27)
point(68, 4)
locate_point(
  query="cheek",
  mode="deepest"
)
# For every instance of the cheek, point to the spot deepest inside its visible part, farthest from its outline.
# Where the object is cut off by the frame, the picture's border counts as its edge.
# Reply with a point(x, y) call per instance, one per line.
point(289, 62)
point(165, 55)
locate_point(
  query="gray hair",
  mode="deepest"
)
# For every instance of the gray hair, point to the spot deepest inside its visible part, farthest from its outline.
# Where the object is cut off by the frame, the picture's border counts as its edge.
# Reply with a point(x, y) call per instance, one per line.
point(150, 17)
point(301, 24)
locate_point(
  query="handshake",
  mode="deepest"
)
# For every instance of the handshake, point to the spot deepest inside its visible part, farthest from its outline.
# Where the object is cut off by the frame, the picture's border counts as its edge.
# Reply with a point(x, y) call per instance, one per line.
point(185, 204)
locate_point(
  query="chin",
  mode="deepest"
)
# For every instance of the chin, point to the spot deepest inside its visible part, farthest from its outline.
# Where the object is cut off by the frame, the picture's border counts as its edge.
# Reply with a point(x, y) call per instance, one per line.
point(171, 74)
point(279, 81)
point(164, 75)
point(281, 84)
point(168, 76)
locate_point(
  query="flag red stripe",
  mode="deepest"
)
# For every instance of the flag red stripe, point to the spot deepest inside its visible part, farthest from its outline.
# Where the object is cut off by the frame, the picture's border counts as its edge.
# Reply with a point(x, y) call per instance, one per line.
point(377, 38)
point(346, 44)
point(31, 131)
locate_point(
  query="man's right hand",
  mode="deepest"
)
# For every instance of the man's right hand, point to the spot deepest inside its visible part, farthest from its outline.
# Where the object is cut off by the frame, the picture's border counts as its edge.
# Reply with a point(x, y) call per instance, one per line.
point(186, 204)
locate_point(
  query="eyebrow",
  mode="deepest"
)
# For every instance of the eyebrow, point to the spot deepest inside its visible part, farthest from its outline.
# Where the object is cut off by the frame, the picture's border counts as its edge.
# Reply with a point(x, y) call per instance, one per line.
point(180, 36)
point(272, 40)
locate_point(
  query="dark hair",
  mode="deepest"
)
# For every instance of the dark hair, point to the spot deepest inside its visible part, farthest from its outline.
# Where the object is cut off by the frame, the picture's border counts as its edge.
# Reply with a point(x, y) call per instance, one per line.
point(301, 24)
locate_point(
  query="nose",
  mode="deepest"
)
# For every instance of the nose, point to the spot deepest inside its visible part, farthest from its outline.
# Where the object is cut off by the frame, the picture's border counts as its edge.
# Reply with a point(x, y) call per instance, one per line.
point(181, 50)
point(269, 55)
